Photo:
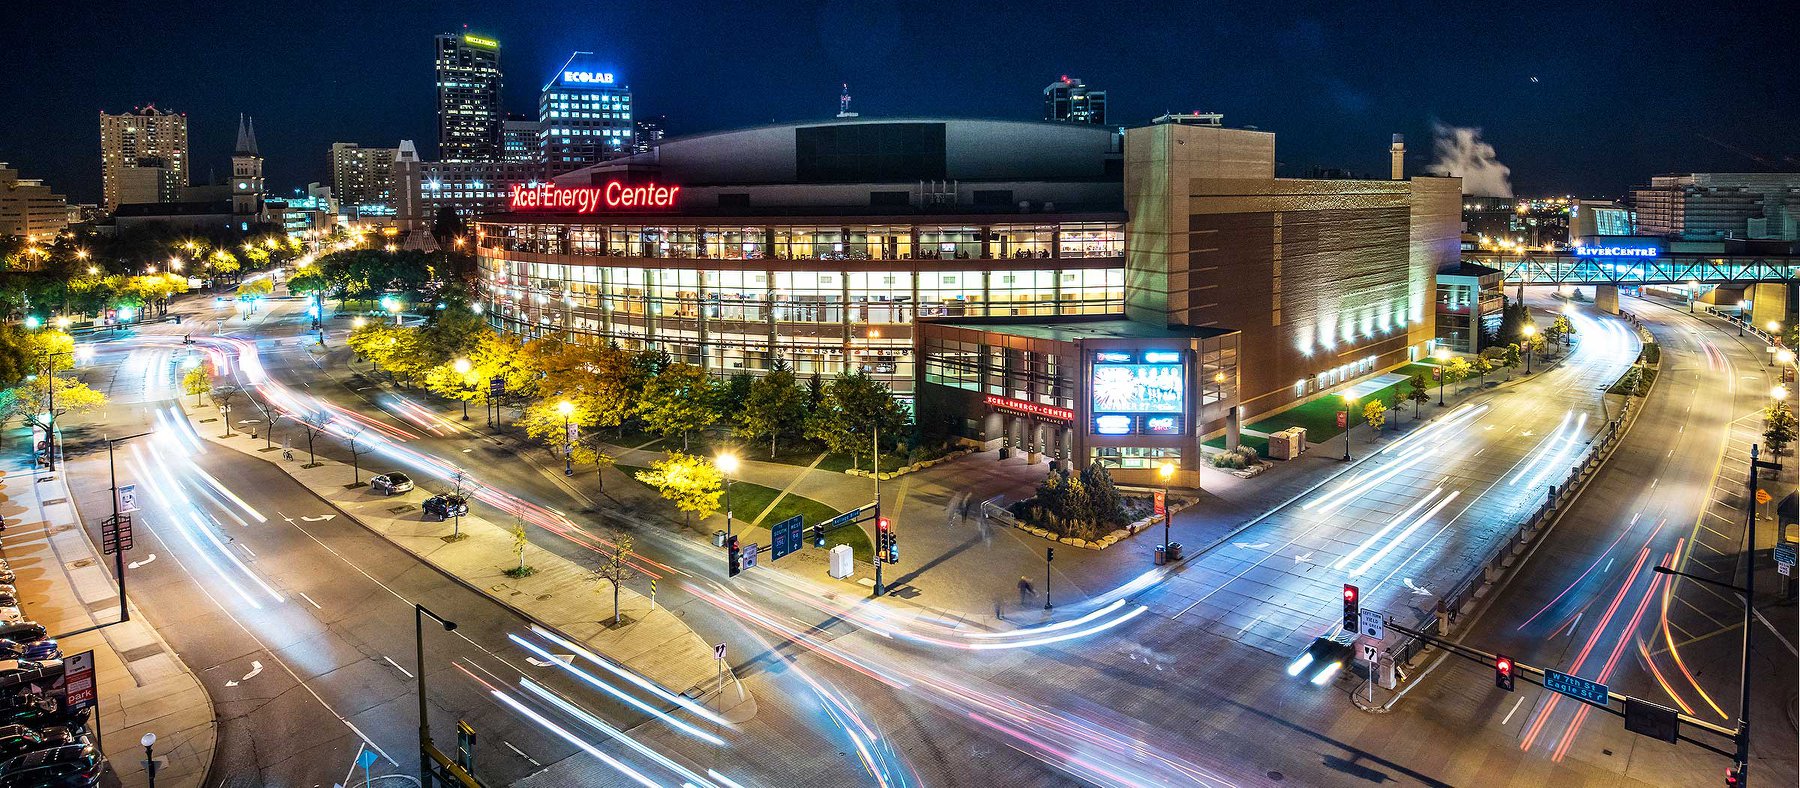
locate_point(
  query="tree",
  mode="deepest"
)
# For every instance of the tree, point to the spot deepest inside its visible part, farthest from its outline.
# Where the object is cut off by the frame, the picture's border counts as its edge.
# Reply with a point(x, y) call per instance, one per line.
point(1482, 365)
point(1417, 393)
point(521, 540)
point(197, 381)
point(615, 569)
point(1778, 428)
point(677, 401)
point(313, 423)
point(1457, 370)
point(691, 483)
point(222, 397)
point(267, 408)
point(16, 362)
point(852, 409)
point(775, 407)
point(1510, 357)
point(1375, 413)
point(448, 226)
point(32, 400)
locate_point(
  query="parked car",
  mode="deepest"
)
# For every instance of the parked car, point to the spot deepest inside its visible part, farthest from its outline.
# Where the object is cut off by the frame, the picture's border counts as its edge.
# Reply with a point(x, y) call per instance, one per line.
point(391, 483)
point(6, 574)
point(40, 650)
point(23, 631)
point(444, 507)
point(9, 595)
point(11, 668)
point(16, 740)
point(67, 766)
point(10, 614)
point(36, 710)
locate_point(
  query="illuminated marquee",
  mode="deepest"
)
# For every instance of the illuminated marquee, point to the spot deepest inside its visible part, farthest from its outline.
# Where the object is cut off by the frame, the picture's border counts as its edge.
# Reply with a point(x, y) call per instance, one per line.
point(588, 199)
point(588, 77)
point(1615, 251)
point(1031, 408)
point(481, 42)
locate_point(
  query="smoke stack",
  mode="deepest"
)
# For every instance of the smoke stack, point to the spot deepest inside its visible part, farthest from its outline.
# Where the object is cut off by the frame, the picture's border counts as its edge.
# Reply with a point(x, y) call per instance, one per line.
point(1397, 152)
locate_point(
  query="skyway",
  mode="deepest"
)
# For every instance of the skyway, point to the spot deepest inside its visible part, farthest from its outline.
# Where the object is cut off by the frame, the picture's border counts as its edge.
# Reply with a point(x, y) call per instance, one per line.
point(1669, 268)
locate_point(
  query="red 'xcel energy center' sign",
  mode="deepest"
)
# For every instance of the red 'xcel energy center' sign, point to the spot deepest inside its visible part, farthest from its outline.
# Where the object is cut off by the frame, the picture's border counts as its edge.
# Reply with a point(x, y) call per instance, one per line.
point(589, 199)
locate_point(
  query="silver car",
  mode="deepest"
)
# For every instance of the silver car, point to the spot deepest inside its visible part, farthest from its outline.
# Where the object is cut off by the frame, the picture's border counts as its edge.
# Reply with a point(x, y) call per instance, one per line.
point(391, 483)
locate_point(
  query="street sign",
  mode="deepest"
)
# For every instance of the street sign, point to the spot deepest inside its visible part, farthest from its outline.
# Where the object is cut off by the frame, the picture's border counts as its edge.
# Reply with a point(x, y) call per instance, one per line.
point(78, 681)
point(1158, 499)
point(1784, 553)
point(1785, 569)
point(1762, 496)
point(115, 535)
point(1575, 687)
point(367, 758)
point(496, 386)
point(749, 556)
point(574, 431)
point(1649, 719)
point(1369, 624)
point(127, 498)
point(1437, 372)
point(718, 651)
point(785, 537)
point(1371, 653)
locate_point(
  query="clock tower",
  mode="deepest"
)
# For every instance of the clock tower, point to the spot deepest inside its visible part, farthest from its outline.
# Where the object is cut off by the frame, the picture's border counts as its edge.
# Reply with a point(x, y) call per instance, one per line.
point(246, 174)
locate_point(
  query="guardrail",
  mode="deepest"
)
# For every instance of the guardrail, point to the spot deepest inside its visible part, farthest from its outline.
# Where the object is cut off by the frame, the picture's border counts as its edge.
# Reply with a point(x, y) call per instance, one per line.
point(1461, 599)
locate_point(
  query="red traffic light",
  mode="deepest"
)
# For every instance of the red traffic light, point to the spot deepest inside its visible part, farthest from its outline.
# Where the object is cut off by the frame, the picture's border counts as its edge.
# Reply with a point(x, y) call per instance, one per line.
point(1349, 593)
point(881, 524)
point(1503, 665)
point(1503, 672)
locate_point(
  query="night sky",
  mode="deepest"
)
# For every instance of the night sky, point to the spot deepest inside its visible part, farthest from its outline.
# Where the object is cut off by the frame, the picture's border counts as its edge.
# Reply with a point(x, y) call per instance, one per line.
point(1573, 99)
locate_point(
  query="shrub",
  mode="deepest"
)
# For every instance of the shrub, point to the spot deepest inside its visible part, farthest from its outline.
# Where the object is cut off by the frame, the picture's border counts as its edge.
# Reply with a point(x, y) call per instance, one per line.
point(1237, 459)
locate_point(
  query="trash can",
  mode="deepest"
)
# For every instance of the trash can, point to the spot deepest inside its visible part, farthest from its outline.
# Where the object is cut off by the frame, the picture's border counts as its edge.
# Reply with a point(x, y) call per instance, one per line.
point(1162, 555)
point(718, 539)
point(1174, 551)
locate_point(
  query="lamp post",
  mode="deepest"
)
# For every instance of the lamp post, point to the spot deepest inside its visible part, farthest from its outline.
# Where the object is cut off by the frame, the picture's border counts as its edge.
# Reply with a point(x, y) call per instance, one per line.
point(727, 464)
point(112, 470)
point(1692, 286)
point(462, 368)
point(1774, 327)
point(1778, 393)
point(1167, 472)
point(419, 614)
point(1530, 333)
point(149, 742)
point(1349, 426)
point(1442, 354)
point(1743, 316)
point(566, 407)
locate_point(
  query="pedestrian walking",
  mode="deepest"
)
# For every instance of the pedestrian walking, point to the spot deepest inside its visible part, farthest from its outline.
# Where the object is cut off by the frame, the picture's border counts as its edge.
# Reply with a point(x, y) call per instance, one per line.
point(1026, 592)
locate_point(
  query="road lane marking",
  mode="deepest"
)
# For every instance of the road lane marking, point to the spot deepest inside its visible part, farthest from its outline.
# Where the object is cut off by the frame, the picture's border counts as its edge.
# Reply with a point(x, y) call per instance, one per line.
point(521, 754)
point(390, 661)
point(309, 600)
point(1515, 709)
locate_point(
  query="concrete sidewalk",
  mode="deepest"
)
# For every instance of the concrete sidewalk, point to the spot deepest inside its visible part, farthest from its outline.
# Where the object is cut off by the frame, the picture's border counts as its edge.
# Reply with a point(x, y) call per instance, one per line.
point(560, 594)
point(143, 686)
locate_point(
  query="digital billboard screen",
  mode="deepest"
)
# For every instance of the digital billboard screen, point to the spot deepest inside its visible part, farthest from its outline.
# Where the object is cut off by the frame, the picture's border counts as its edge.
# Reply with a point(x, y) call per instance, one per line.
point(1139, 388)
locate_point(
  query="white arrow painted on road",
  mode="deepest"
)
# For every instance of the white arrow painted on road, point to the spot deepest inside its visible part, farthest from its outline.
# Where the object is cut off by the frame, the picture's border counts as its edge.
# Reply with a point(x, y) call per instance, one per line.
point(147, 559)
point(1304, 558)
point(1248, 546)
point(317, 519)
point(255, 669)
point(566, 659)
point(1420, 590)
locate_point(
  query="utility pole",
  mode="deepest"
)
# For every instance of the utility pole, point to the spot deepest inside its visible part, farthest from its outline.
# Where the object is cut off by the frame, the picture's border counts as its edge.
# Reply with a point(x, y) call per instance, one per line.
point(118, 537)
point(426, 748)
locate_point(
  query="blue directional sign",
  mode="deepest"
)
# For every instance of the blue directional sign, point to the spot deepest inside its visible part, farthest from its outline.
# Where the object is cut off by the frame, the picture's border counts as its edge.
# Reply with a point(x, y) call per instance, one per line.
point(1576, 687)
point(784, 537)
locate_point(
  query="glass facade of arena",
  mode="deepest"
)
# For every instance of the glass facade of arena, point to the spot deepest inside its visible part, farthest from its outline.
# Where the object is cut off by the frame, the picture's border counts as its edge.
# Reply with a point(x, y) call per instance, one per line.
point(823, 296)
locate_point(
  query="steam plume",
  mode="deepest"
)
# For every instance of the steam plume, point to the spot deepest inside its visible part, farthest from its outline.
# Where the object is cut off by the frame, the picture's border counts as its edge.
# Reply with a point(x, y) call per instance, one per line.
point(1462, 153)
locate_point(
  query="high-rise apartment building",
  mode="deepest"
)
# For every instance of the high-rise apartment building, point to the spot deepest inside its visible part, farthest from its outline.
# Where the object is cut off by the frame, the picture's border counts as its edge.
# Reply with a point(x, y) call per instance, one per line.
point(28, 208)
point(468, 88)
point(362, 176)
point(585, 114)
point(649, 134)
point(147, 137)
point(519, 138)
point(1072, 101)
point(1717, 205)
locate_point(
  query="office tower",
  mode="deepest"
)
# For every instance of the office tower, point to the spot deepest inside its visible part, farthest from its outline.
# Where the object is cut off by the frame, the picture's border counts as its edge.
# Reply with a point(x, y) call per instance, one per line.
point(1073, 101)
point(146, 137)
point(649, 134)
point(362, 176)
point(28, 208)
point(519, 138)
point(468, 86)
point(585, 114)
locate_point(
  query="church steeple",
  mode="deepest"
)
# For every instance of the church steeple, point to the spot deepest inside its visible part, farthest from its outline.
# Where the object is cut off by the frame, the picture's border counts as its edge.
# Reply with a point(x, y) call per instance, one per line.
point(246, 141)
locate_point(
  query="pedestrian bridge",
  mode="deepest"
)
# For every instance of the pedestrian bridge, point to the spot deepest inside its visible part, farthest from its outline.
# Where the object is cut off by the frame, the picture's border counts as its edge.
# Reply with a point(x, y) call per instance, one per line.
point(1666, 268)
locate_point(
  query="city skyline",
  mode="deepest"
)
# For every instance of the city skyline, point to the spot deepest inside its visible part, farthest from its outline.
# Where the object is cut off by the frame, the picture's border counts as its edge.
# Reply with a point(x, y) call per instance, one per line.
point(1316, 79)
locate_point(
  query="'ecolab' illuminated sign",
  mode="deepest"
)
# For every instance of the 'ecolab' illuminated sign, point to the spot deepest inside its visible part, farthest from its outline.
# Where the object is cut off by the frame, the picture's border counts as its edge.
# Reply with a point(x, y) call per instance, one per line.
point(588, 199)
point(588, 77)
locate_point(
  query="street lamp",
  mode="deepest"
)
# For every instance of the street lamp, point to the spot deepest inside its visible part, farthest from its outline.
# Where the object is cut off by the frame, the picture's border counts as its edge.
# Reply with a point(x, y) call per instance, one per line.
point(566, 407)
point(462, 367)
point(727, 464)
point(1442, 354)
point(419, 614)
point(1783, 356)
point(1167, 472)
point(358, 322)
point(1778, 393)
point(1774, 327)
point(112, 470)
point(1349, 426)
point(149, 742)
point(1530, 331)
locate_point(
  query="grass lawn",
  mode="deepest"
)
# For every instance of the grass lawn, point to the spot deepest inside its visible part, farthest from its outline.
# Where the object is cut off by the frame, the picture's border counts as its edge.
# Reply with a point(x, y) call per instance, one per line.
point(1257, 442)
point(839, 463)
point(749, 500)
point(1319, 416)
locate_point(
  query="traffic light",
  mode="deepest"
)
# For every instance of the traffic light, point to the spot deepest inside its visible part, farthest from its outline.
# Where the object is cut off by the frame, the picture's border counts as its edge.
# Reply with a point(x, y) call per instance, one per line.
point(893, 548)
point(819, 535)
point(883, 540)
point(734, 559)
point(1049, 554)
point(1352, 608)
point(1503, 672)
